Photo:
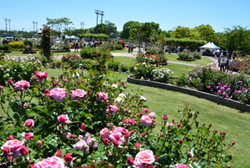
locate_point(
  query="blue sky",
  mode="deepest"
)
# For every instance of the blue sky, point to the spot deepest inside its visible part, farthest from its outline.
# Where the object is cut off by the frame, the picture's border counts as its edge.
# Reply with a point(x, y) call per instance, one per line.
point(168, 13)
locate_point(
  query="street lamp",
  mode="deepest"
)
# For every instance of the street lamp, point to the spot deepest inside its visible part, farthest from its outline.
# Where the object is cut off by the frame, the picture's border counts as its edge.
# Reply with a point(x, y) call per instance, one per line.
point(107, 22)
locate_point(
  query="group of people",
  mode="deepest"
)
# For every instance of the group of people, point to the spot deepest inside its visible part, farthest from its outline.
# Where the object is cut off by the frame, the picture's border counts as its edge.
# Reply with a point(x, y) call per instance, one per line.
point(130, 48)
point(225, 63)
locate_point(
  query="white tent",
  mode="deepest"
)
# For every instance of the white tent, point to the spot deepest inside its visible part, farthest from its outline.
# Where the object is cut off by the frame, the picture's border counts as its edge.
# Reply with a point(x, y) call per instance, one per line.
point(210, 46)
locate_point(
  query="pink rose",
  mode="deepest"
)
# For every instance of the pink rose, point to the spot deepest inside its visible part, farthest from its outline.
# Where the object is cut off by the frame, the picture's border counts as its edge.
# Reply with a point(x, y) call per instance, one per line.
point(83, 127)
point(143, 158)
point(169, 125)
point(146, 120)
point(112, 108)
point(29, 135)
point(64, 119)
point(58, 94)
point(152, 115)
point(41, 75)
point(101, 96)
point(23, 84)
point(104, 133)
point(92, 142)
point(29, 123)
point(180, 165)
point(14, 146)
point(145, 110)
point(78, 94)
point(52, 162)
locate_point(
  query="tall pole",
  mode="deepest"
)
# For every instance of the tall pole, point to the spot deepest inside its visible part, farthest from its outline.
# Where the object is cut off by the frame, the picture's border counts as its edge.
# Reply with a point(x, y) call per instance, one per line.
point(9, 24)
point(36, 26)
point(97, 13)
point(102, 13)
point(33, 25)
point(6, 23)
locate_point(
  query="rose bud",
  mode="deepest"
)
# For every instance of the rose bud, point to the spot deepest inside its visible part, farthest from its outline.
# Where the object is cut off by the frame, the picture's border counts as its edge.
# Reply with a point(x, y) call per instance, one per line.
point(130, 161)
point(116, 143)
point(68, 158)
point(189, 154)
point(24, 151)
point(126, 135)
point(106, 141)
point(143, 134)
point(193, 159)
point(233, 143)
point(59, 153)
point(137, 145)
point(11, 137)
point(179, 125)
point(180, 141)
point(131, 132)
point(211, 139)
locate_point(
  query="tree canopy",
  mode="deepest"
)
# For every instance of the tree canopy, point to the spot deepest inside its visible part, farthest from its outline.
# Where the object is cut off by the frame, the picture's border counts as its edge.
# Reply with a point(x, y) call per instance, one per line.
point(59, 24)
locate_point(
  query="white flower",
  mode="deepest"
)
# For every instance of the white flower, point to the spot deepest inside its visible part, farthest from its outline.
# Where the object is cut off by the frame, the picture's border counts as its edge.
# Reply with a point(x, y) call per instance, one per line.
point(142, 98)
point(119, 100)
point(8, 70)
point(7, 74)
point(122, 95)
point(114, 85)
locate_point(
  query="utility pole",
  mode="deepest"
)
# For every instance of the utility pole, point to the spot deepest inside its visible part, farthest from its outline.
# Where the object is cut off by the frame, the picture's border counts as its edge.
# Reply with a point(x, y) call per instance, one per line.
point(36, 26)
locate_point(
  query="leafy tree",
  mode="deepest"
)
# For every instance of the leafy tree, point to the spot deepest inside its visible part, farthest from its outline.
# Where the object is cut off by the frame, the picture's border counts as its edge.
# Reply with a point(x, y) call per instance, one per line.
point(206, 32)
point(59, 24)
point(182, 32)
point(237, 38)
point(153, 36)
point(108, 29)
point(131, 25)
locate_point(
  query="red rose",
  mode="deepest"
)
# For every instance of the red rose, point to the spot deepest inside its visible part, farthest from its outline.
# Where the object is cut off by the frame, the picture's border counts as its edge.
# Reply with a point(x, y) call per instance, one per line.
point(137, 145)
point(115, 142)
point(68, 157)
point(28, 136)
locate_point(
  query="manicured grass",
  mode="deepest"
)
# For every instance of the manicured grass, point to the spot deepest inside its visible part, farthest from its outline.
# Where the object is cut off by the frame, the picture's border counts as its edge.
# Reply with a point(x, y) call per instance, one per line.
point(178, 69)
point(119, 51)
point(125, 60)
point(20, 53)
point(202, 61)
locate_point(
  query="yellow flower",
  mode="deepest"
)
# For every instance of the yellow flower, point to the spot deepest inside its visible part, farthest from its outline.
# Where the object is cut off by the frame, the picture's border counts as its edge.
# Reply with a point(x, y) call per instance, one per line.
point(135, 68)
point(142, 78)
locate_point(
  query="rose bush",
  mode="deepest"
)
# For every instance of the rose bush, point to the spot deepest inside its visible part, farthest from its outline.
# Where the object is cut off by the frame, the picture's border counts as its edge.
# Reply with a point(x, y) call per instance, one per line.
point(56, 130)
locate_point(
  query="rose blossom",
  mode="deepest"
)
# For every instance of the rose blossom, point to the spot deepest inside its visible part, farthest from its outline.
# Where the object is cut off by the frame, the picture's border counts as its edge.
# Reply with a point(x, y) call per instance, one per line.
point(51, 162)
point(104, 133)
point(29, 135)
point(64, 119)
point(29, 123)
point(112, 108)
point(14, 146)
point(58, 94)
point(144, 158)
point(41, 75)
point(20, 85)
point(78, 94)
point(146, 120)
point(145, 110)
point(180, 165)
point(151, 115)
point(92, 142)
point(102, 96)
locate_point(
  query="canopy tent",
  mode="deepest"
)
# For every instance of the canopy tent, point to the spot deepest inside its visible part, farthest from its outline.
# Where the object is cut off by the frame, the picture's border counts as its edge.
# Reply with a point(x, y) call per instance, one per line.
point(71, 37)
point(210, 46)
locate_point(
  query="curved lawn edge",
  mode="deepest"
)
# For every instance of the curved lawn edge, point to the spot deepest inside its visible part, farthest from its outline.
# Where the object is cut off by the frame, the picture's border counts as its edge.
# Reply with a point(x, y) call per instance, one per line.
point(226, 102)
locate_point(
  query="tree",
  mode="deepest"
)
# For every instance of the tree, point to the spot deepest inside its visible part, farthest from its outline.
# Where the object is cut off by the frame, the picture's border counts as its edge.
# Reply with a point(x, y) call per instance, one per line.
point(206, 32)
point(237, 38)
point(125, 33)
point(148, 28)
point(109, 29)
point(59, 24)
point(154, 35)
point(182, 32)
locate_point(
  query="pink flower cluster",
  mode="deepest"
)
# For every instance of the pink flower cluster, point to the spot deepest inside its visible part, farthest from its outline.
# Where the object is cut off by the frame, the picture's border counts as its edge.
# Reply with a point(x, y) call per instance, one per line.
point(144, 159)
point(41, 75)
point(112, 108)
point(78, 94)
point(21, 85)
point(84, 145)
point(101, 96)
point(50, 162)
point(58, 94)
point(118, 136)
point(14, 146)
point(180, 166)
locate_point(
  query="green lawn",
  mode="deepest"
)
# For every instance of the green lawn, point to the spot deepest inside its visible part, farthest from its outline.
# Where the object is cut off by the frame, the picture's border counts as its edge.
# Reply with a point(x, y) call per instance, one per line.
point(119, 51)
point(20, 53)
point(202, 61)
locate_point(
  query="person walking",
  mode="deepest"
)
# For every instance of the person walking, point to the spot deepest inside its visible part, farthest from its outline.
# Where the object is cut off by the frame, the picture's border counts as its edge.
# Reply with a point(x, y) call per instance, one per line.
point(221, 55)
point(76, 45)
point(131, 48)
point(128, 48)
point(223, 62)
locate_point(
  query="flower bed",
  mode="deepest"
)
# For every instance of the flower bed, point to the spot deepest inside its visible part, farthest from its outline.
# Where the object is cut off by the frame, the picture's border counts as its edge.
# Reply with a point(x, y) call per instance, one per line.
point(76, 119)
point(29, 52)
point(226, 86)
point(55, 51)
point(242, 65)
point(183, 59)
point(185, 56)
point(6, 51)
point(158, 59)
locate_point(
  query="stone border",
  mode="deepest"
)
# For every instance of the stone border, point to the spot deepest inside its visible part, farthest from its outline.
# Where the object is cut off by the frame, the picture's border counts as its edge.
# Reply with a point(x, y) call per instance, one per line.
point(182, 59)
point(29, 52)
point(226, 102)
point(56, 51)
